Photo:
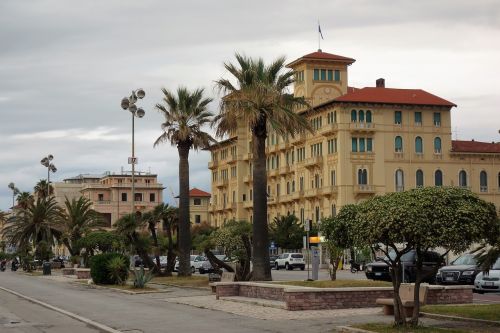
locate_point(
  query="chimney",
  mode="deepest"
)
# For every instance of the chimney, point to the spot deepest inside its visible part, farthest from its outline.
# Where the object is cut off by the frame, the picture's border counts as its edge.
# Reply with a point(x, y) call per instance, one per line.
point(380, 83)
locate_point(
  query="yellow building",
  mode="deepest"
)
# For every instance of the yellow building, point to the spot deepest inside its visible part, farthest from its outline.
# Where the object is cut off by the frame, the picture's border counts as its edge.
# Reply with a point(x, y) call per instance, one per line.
point(111, 194)
point(199, 202)
point(366, 141)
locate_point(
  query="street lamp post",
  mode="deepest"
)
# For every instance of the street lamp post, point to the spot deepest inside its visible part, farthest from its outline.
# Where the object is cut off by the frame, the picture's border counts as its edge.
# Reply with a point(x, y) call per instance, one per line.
point(128, 103)
point(15, 191)
point(47, 162)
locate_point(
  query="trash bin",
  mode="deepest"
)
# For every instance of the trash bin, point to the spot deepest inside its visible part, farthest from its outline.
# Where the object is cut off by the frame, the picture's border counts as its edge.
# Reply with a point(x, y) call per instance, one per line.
point(46, 268)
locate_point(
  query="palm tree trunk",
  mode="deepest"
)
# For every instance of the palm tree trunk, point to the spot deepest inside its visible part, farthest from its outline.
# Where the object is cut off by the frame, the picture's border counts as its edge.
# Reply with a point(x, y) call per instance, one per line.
point(170, 253)
point(184, 236)
point(155, 243)
point(261, 268)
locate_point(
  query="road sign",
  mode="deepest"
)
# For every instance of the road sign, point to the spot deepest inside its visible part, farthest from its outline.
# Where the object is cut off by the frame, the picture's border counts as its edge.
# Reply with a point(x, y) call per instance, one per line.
point(132, 160)
point(272, 246)
point(307, 225)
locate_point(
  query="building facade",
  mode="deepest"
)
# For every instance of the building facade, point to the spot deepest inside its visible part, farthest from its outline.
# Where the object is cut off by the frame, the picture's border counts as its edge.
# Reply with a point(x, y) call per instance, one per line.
point(111, 194)
point(365, 142)
point(199, 202)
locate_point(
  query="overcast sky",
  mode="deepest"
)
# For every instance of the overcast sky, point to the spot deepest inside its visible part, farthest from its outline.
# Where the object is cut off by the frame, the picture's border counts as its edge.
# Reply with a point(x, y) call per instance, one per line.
point(65, 65)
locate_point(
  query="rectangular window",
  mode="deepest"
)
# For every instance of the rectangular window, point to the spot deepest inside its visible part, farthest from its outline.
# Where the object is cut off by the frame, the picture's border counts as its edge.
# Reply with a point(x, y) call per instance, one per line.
point(354, 145)
point(197, 201)
point(397, 117)
point(124, 196)
point(369, 145)
point(152, 197)
point(197, 219)
point(323, 74)
point(362, 145)
point(418, 118)
point(138, 197)
point(316, 74)
point(337, 75)
point(330, 75)
point(100, 197)
point(437, 119)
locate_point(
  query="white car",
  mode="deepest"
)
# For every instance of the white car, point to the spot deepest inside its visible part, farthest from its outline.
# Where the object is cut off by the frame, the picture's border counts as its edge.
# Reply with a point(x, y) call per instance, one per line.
point(195, 262)
point(290, 261)
point(490, 281)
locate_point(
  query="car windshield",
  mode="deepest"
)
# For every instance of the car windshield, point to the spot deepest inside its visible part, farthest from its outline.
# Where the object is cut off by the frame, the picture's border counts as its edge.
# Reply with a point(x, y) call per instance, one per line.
point(467, 259)
point(192, 258)
point(297, 256)
point(220, 256)
point(496, 265)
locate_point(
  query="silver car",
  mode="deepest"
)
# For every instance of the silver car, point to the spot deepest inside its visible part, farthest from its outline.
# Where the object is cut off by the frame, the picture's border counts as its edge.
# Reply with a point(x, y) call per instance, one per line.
point(489, 281)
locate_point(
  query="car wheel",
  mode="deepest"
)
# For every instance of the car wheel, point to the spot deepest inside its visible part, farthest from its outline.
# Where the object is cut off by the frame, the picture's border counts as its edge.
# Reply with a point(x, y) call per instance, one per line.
point(277, 266)
point(287, 267)
point(480, 291)
point(192, 270)
point(202, 271)
point(302, 268)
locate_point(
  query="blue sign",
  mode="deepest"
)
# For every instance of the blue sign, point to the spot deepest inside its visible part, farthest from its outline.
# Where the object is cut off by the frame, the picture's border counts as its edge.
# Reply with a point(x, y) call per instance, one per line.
point(272, 246)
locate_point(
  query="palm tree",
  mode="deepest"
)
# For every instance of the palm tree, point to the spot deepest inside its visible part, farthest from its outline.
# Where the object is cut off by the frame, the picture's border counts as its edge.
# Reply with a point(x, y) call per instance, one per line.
point(152, 218)
point(3, 219)
point(185, 114)
point(41, 189)
point(24, 199)
point(260, 99)
point(170, 218)
point(77, 220)
point(40, 222)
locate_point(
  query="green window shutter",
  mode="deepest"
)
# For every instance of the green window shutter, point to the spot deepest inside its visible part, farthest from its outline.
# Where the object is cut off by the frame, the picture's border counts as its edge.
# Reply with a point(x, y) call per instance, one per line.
point(420, 178)
point(337, 75)
point(316, 74)
point(418, 145)
point(368, 116)
point(369, 145)
point(437, 118)
point(397, 117)
point(323, 74)
point(330, 75)
point(437, 145)
point(398, 144)
point(353, 115)
point(362, 145)
point(354, 145)
point(418, 117)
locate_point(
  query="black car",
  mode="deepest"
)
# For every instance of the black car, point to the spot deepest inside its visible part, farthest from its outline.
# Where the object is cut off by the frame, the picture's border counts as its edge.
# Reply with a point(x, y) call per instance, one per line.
point(462, 270)
point(379, 270)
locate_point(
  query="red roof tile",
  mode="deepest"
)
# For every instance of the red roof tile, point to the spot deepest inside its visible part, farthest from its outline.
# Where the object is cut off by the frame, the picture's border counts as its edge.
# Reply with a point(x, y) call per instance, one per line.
point(393, 96)
point(319, 55)
point(194, 192)
point(459, 146)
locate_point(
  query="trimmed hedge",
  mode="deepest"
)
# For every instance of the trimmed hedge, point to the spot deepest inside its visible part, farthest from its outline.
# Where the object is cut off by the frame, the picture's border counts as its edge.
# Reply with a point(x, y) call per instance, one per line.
point(99, 268)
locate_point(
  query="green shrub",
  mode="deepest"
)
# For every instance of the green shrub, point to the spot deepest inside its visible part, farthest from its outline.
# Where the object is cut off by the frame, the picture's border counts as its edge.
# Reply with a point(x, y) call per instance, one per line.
point(99, 268)
point(141, 278)
point(117, 269)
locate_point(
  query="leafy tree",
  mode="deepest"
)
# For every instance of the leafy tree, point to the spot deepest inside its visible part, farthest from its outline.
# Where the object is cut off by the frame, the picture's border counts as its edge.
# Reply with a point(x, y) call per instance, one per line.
point(24, 199)
point(338, 232)
point(260, 98)
point(422, 219)
point(102, 241)
point(235, 240)
point(39, 222)
point(287, 232)
point(201, 234)
point(41, 189)
point(152, 219)
point(185, 115)
point(77, 220)
point(126, 227)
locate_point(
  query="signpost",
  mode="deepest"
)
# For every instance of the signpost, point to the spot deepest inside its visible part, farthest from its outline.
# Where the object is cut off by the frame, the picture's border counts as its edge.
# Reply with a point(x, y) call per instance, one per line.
point(307, 228)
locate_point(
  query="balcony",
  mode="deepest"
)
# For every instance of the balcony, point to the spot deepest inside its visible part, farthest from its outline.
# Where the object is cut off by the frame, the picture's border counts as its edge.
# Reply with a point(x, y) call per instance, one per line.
point(284, 146)
point(418, 156)
point(330, 191)
point(221, 183)
point(286, 198)
point(312, 193)
point(248, 156)
point(232, 159)
point(299, 139)
point(273, 173)
point(272, 149)
point(313, 161)
point(364, 189)
point(399, 155)
point(328, 129)
point(285, 170)
point(233, 206)
point(213, 164)
point(362, 127)
point(247, 179)
point(248, 204)
point(297, 195)
point(437, 155)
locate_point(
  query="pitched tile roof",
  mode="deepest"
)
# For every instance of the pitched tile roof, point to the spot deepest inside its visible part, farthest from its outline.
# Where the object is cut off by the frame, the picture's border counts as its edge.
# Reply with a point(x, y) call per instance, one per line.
point(194, 192)
point(319, 55)
point(393, 96)
point(459, 146)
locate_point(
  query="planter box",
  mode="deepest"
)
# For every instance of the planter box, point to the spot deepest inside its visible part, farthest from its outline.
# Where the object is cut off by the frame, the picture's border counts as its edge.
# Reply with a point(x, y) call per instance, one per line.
point(68, 271)
point(82, 273)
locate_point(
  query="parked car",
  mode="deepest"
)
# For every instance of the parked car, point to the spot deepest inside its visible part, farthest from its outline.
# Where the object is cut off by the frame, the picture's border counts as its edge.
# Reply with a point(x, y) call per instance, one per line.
point(195, 261)
point(206, 266)
point(379, 270)
point(290, 261)
point(488, 281)
point(272, 259)
point(462, 270)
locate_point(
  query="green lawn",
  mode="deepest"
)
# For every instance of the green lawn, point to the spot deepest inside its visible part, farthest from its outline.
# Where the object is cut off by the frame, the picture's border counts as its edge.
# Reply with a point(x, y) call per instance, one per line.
point(476, 311)
point(388, 328)
point(337, 283)
point(189, 281)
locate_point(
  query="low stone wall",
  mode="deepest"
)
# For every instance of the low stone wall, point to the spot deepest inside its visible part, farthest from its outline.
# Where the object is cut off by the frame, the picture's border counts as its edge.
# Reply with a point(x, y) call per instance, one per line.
point(82, 273)
point(304, 298)
point(68, 271)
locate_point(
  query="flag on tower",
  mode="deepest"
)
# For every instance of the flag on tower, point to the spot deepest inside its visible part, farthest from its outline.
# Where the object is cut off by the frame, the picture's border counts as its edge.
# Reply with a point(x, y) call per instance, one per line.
point(319, 30)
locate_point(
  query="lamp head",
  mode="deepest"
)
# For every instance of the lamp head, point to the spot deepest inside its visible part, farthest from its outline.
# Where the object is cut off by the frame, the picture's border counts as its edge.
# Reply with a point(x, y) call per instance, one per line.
point(132, 108)
point(45, 161)
point(125, 103)
point(140, 93)
point(11, 186)
point(53, 168)
point(140, 113)
point(50, 157)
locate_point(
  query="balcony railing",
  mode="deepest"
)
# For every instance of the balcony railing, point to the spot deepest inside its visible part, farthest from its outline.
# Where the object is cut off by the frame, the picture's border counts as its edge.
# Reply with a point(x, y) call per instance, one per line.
point(284, 145)
point(299, 138)
point(364, 188)
point(248, 204)
point(247, 179)
point(297, 195)
point(330, 190)
point(313, 161)
point(222, 183)
point(328, 129)
point(362, 126)
point(273, 172)
point(213, 164)
point(284, 170)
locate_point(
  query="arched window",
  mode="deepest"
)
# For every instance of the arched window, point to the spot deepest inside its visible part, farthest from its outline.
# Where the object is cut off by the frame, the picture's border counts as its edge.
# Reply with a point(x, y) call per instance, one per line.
point(483, 181)
point(438, 178)
point(418, 145)
point(400, 186)
point(499, 181)
point(353, 116)
point(365, 177)
point(368, 116)
point(420, 178)
point(362, 177)
point(437, 145)
point(462, 178)
point(398, 144)
point(361, 116)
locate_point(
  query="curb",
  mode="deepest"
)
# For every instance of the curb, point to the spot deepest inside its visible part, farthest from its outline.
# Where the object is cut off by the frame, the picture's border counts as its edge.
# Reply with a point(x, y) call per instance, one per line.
point(87, 321)
point(351, 329)
point(470, 320)
point(124, 291)
point(180, 286)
